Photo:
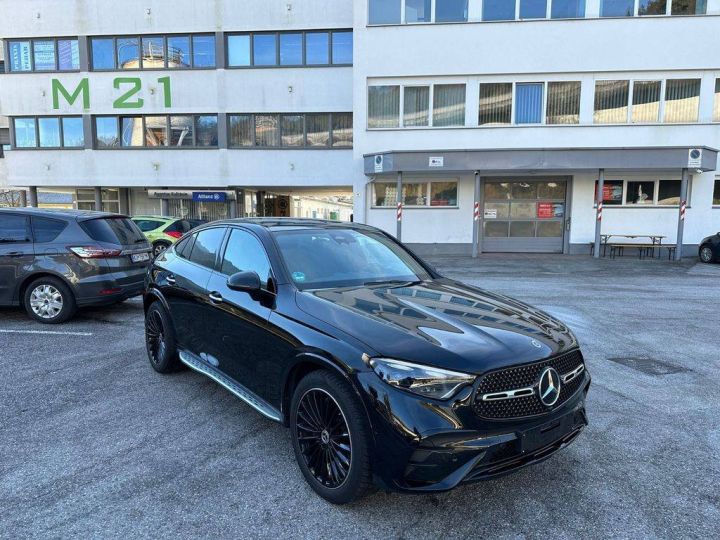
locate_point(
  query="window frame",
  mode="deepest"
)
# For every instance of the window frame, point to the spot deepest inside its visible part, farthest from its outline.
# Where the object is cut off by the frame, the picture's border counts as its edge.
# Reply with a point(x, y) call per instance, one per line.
point(428, 193)
point(716, 186)
point(278, 33)
point(8, 41)
point(278, 116)
point(223, 249)
point(656, 193)
point(431, 105)
point(36, 119)
point(140, 37)
point(118, 126)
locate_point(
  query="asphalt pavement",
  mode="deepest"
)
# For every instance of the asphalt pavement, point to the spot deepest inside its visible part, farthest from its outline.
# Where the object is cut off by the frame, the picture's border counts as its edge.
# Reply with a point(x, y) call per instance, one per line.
point(95, 444)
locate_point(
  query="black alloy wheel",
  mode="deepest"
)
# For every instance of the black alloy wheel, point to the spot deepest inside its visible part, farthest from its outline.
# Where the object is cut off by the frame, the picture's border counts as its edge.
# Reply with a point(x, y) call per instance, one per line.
point(331, 437)
point(324, 438)
point(160, 340)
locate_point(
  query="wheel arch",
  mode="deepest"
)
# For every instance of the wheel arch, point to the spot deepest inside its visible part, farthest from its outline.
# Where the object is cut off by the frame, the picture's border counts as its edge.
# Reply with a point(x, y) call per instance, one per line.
point(27, 280)
point(154, 295)
point(306, 362)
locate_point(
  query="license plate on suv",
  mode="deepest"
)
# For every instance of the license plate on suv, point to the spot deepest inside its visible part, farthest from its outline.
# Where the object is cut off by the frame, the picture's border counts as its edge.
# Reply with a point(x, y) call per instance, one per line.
point(139, 257)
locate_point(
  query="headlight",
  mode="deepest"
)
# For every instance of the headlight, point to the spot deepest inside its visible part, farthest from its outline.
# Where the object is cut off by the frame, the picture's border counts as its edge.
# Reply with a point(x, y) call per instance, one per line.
point(423, 380)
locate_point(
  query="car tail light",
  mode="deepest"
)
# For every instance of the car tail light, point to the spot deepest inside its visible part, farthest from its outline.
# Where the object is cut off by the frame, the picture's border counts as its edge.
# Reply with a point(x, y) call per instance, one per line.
point(94, 252)
point(174, 234)
point(110, 291)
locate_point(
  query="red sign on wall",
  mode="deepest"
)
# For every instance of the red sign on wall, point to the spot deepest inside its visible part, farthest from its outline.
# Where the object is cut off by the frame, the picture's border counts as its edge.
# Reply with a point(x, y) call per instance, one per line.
point(545, 210)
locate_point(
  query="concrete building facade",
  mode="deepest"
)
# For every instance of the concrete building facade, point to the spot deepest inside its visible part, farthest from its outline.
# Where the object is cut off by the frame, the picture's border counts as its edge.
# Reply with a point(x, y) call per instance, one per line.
point(495, 119)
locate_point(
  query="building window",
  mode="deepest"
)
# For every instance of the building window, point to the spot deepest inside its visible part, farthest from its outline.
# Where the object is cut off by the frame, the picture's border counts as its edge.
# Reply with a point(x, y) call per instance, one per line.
point(416, 107)
point(384, 11)
point(383, 106)
point(152, 52)
point(53, 54)
point(716, 193)
point(495, 104)
point(451, 10)
point(528, 103)
point(646, 102)
point(417, 11)
point(448, 105)
point(682, 100)
point(563, 102)
point(152, 131)
point(567, 9)
point(688, 7)
point(110, 199)
point(641, 192)
point(533, 9)
point(617, 8)
point(611, 102)
point(49, 132)
point(315, 130)
point(498, 10)
point(416, 194)
point(289, 49)
point(652, 7)
point(716, 105)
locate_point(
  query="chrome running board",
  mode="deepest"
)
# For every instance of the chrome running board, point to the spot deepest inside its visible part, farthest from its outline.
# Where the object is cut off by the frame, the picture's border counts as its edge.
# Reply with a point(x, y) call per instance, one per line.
point(256, 402)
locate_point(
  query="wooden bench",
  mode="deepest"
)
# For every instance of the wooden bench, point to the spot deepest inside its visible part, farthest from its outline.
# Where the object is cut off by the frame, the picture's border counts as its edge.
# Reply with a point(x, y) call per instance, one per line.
point(644, 250)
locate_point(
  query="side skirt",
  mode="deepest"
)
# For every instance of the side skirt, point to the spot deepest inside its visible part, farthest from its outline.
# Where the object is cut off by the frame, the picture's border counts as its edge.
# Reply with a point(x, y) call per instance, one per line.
point(256, 402)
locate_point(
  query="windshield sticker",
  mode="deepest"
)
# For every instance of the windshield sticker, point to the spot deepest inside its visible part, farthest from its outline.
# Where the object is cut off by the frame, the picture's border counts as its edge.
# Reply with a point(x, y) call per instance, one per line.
point(298, 276)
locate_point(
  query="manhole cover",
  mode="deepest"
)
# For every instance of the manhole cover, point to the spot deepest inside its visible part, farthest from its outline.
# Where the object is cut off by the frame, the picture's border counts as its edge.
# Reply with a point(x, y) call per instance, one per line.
point(649, 365)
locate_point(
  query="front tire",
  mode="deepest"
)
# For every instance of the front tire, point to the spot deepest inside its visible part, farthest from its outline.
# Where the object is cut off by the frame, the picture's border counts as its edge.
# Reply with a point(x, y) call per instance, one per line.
point(160, 340)
point(331, 437)
point(706, 254)
point(49, 300)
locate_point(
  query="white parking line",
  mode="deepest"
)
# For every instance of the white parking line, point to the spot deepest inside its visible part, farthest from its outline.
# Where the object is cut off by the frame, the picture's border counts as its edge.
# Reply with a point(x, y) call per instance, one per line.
point(45, 332)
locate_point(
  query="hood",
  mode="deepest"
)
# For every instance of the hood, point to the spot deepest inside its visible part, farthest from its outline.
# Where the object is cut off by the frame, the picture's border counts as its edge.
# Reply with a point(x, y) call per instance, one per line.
point(442, 323)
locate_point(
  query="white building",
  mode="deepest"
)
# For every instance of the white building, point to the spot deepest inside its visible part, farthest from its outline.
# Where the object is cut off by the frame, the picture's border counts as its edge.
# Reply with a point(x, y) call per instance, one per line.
point(243, 107)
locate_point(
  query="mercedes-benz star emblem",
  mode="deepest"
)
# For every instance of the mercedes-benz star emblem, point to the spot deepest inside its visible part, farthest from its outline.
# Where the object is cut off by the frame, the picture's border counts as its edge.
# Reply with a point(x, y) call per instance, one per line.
point(549, 387)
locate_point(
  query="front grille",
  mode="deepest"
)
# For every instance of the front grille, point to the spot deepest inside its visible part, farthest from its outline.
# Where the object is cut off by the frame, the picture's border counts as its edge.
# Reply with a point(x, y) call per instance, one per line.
point(523, 377)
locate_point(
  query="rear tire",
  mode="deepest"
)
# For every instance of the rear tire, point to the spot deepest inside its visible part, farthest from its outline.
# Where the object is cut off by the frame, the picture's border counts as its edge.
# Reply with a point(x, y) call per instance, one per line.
point(49, 300)
point(331, 437)
point(160, 247)
point(706, 254)
point(160, 340)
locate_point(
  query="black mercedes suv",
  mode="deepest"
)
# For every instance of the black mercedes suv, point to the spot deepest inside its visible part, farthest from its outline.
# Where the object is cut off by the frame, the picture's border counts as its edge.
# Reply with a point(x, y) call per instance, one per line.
point(54, 261)
point(387, 373)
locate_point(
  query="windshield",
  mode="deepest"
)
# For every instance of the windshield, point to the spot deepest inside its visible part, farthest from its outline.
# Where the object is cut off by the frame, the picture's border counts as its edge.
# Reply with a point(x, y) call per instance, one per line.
point(323, 258)
point(147, 225)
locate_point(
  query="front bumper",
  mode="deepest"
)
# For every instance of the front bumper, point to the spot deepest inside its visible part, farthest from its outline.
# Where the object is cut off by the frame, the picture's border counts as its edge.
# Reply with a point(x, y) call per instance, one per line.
point(424, 446)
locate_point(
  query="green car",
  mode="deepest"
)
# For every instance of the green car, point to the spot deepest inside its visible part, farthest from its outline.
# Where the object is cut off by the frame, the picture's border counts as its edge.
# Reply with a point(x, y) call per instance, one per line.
point(164, 231)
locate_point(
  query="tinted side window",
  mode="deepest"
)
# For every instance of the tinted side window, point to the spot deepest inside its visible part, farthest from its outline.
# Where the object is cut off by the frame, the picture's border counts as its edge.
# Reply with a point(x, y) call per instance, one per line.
point(13, 229)
point(181, 226)
point(207, 244)
point(184, 247)
point(46, 229)
point(244, 253)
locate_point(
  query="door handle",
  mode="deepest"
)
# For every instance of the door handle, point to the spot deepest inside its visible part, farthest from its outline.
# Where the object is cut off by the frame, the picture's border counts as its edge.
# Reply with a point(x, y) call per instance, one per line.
point(170, 279)
point(215, 297)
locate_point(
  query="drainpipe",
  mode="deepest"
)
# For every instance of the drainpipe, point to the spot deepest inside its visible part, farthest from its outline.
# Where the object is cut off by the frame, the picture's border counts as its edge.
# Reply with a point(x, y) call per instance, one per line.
point(98, 199)
point(681, 214)
point(598, 217)
point(32, 192)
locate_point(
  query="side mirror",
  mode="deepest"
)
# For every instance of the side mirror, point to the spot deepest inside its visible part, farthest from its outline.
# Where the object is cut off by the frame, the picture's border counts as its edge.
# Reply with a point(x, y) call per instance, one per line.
point(244, 281)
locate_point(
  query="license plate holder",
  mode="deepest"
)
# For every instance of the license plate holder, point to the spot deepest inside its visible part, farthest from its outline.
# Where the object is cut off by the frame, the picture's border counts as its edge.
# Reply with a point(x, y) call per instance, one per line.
point(140, 257)
point(535, 438)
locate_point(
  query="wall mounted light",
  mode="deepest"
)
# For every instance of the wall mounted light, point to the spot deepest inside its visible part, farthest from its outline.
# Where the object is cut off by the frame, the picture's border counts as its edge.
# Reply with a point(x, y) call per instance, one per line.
point(156, 166)
point(148, 11)
point(292, 166)
point(289, 7)
point(47, 166)
point(290, 89)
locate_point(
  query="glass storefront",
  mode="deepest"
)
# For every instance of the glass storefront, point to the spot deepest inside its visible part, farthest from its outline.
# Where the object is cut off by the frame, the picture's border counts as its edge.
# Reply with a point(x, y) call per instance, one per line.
point(524, 214)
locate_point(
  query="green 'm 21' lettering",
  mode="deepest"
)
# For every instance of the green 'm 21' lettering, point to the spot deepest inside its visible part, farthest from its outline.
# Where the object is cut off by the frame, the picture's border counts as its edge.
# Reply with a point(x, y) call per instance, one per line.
point(125, 101)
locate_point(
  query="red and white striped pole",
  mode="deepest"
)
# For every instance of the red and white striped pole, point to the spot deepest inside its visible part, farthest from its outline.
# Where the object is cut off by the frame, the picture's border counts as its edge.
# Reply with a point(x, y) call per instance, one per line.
point(599, 203)
point(476, 215)
point(399, 211)
point(398, 234)
point(683, 205)
point(681, 214)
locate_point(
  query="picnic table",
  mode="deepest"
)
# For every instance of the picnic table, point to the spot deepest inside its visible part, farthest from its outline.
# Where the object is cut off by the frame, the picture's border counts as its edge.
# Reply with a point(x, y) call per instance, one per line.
point(644, 248)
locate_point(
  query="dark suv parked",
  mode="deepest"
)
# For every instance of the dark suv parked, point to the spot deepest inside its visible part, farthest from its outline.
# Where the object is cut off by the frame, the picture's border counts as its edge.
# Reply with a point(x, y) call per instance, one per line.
point(386, 372)
point(53, 261)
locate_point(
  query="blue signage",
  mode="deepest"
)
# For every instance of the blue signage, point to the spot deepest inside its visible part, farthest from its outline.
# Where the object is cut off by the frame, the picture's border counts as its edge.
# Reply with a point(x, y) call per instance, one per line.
point(209, 196)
